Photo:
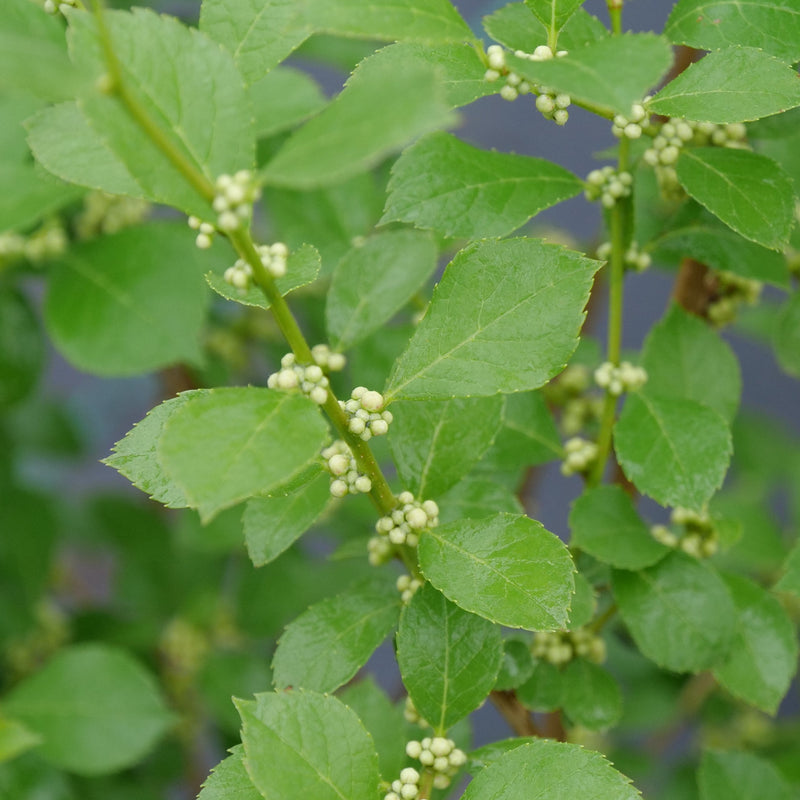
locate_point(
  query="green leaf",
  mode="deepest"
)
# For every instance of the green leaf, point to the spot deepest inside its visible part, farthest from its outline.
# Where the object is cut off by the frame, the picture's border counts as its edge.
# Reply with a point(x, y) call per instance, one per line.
point(33, 54)
point(517, 665)
point(166, 67)
point(790, 579)
point(228, 444)
point(558, 771)
point(302, 268)
point(544, 690)
point(36, 194)
point(506, 568)
point(685, 358)
point(96, 709)
point(763, 659)
point(374, 281)
point(516, 27)
point(773, 26)
point(786, 336)
point(592, 698)
point(21, 347)
point(740, 776)
point(229, 780)
point(15, 739)
point(530, 298)
point(326, 645)
point(474, 498)
point(303, 744)
point(738, 84)
point(65, 144)
point(444, 184)
point(605, 524)
point(748, 192)
point(674, 450)
point(554, 13)
point(436, 442)
point(448, 658)
point(113, 309)
point(584, 604)
point(271, 524)
point(378, 111)
point(283, 98)
point(679, 612)
point(720, 248)
point(599, 73)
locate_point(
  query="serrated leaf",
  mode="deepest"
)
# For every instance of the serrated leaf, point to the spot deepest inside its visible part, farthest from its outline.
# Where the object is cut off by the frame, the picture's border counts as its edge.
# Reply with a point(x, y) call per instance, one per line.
point(738, 84)
point(22, 347)
point(592, 698)
point(36, 194)
point(504, 318)
point(377, 112)
point(517, 665)
point(436, 442)
point(763, 659)
point(80, 734)
point(474, 498)
point(559, 771)
point(605, 524)
point(790, 579)
point(283, 98)
point(228, 444)
point(544, 690)
point(679, 612)
point(303, 744)
point(773, 26)
point(229, 780)
point(514, 26)
point(685, 357)
point(506, 568)
point(444, 184)
point(448, 658)
point(166, 67)
point(786, 336)
point(113, 309)
point(374, 281)
point(599, 73)
point(722, 249)
point(740, 776)
point(302, 268)
point(748, 192)
point(553, 13)
point(674, 450)
point(584, 603)
point(325, 646)
point(271, 524)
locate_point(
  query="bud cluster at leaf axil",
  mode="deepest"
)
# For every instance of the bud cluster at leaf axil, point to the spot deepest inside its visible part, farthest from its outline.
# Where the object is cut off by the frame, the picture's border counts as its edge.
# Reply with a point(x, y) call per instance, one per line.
point(234, 198)
point(439, 755)
point(49, 241)
point(402, 526)
point(272, 256)
point(730, 292)
point(366, 414)
point(607, 185)
point(346, 479)
point(569, 392)
point(407, 586)
point(410, 714)
point(630, 126)
point(579, 456)
point(310, 379)
point(619, 379)
point(633, 259)
point(561, 647)
point(109, 213)
point(698, 537)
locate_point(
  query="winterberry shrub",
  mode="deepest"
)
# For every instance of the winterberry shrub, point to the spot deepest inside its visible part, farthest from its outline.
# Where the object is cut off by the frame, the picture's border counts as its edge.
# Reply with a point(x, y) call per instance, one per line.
point(179, 202)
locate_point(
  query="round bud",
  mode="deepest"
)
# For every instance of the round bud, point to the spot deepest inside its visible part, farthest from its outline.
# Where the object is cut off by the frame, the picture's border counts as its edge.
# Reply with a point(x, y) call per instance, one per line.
point(372, 401)
point(441, 781)
point(228, 221)
point(279, 249)
point(203, 241)
point(314, 373)
point(542, 53)
point(391, 796)
point(509, 93)
point(357, 426)
point(194, 223)
point(339, 464)
point(336, 362)
point(563, 100)
point(458, 758)
point(379, 427)
point(397, 536)
point(441, 764)
point(319, 395)
point(417, 519)
point(405, 497)
point(440, 746)
point(409, 791)
point(287, 379)
point(633, 131)
point(413, 748)
point(426, 758)
point(409, 775)
point(363, 484)
point(669, 155)
point(512, 79)
point(545, 104)
point(338, 488)
point(430, 508)
point(491, 75)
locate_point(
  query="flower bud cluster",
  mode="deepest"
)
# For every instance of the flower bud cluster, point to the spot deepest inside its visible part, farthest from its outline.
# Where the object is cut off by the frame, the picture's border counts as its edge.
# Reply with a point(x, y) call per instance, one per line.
point(411, 714)
point(607, 185)
point(560, 647)
point(619, 379)
point(346, 479)
point(234, 198)
point(578, 409)
point(514, 84)
point(630, 126)
point(273, 257)
point(57, 6)
point(407, 586)
point(309, 379)
point(327, 359)
point(109, 213)
point(366, 414)
point(634, 259)
point(439, 755)
point(553, 105)
point(205, 232)
point(730, 292)
point(407, 788)
point(404, 524)
point(50, 241)
point(698, 539)
point(579, 456)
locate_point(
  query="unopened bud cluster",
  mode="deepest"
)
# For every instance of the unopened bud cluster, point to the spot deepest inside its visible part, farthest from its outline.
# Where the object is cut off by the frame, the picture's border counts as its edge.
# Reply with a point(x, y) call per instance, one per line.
point(514, 84)
point(407, 586)
point(309, 379)
point(579, 456)
point(205, 232)
point(407, 788)
point(698, 539)
point(345, 477)
point(630, 126)
point(560, 647)
point(619, 379)
point(607, 185)
point(272, 256)
point(49, 241)
point(578, 409)
point(410, 714)
point(366, 414)
point(109, 213)
point(404, 524)
point(439, 755)
point(633, 259)
point(234, 198)
point(730, 292)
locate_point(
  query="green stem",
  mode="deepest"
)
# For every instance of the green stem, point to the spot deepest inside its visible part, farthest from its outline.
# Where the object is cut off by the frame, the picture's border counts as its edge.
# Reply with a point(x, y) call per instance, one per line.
point(615, 13)
point(425, 785)
point(598, 624)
